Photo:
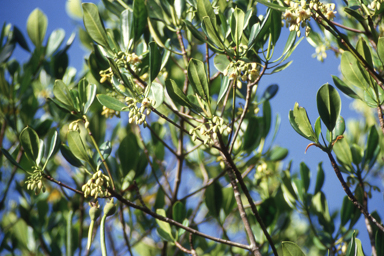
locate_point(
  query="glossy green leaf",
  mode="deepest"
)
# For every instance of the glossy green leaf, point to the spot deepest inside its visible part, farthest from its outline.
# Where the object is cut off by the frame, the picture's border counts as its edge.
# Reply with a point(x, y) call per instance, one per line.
point(154, 61)
point(255, 30)
point(352, 70)
point(11, 159)
point(321, 209)
point(62, 94)
point(41, 152)
point(346, 211)
point(364, 50)
point(76, 145)
point(111, 102)
point(372, 144)
point(30, 142)
point(225, 82)
point(198, 78)
point(318, 128)
point(105, 150)
point(179, 212)
point(73, 8)
point(345, 88)
point(290, 42)
point(275, 28)
point(253, 134)
point(291, 249)
point(277, 154)
point(20, 39)
point(127, 29)
point(157, 93)
point(351, 250)
point(214, 199)
point(204, 8)
point(164, 229)
point(269, 93)
point(180, 7)
point(128, 153)
point(379, 242)
point(94, 25)
point(273, 5)
point(268, 211)
point(54, 41)
point(299, 121)
point(91, 94)
point(230, 201)
point(267, 118)
point(140, 17)
point(380, 49)
point(281, 67)
point(288, 191)
point(328, 105)
point(305, 175)
point(237, 26)
point(343, 153)
point(211, 32)
point(319, 178)
point(221, 62)
point(52, 144)
point(36, 27)
point(339, 128)
point(69, 156)
point(177, 94)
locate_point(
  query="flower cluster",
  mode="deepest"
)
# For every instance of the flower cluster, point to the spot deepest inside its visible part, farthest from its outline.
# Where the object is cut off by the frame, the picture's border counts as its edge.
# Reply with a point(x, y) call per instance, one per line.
point(35, 181)
point(300, 13)
point(124, 59)
point(212, 127)
point(375, 4)
point(138, 114)
point(106, 75)
point(109, 113)
point(320, 53)
point(245, 71)
point(97, 185)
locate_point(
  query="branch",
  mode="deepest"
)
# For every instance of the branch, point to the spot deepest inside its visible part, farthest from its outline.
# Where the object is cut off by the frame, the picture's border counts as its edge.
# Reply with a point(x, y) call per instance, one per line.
point(350, 195)
point(62, 184)
point(347, 28)
point(121, 215)
point(136, 76)
point(175, 223)
point(380, 114)
point(162, 141)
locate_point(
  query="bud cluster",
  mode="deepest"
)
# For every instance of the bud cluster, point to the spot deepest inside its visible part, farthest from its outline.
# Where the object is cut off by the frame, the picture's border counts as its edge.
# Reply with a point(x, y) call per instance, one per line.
point(300, 13)
point(35, 181)
point(320, 53)
point(375, 4)
point(212, 127)
point(124, 59)
point(97, 185)
point(106, 75)
point(139, 114)
point(109, 113)
point(242, 70)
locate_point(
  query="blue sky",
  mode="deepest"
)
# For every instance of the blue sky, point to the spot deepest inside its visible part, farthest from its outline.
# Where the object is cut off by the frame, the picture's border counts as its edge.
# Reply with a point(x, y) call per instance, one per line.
point(299, 83)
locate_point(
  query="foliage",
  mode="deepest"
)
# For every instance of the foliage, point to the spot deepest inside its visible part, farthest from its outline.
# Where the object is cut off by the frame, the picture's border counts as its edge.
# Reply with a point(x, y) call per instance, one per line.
point(186, 120)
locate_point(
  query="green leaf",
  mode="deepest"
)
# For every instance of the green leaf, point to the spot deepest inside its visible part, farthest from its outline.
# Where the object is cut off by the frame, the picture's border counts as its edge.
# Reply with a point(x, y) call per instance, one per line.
point(275, 27)
point(267, 118)
point(223, 88)
point(198, 78)
point(210, 30)
point(343, 153)
point(364, 50)
point(204, 8)
point(305, 175)
point(339, 128)
point(11, 159)
point(273, 5)
point(179, 212)
point(268, 211)
point(328, 105)
point(164, 229)
point(346, 211)
point(221, 62)
point(318, 128)
point(255, 30)
point(156, 92)
point(128, 153)
point(379, 242)
point(214, 199)
point(380, 49)
point(111, 102)
point(94, 25)
point(352, 70)
point(351, 251)
point(177, 94)
point(105, 150)
point(345, 88)
point(154, 61)
point(63, 95)
point(230, 201)
point(299, 121)
point(54, 41)
point(36, 27)
point(372, 144)
point(75, 144)
point(20, 39)
point(52, 144)
point(91, 94)
point(237, 26)
point(290, 42)
point(253, 134)
point(281, 67)
point(127, 28)
point(69, 156)
point(277, 154)
point(269, 93)
point(319, 178)
point(140, 18)
point(30, 142)
point(291, 249)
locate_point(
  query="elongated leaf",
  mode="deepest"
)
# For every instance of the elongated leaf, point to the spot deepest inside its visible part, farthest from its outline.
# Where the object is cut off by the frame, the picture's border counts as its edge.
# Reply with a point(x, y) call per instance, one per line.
point(20, 38)
point(52, 145)
point(372, 144)
point(291, 249)
point(54, 41)
point(128, 153)
point(281, 67)
point(11, 159)
point(62, 94)
point(345, 88)
point(127, 28)
point(237, 26)
point(223, 88)
point(273, 5)
point(178, 212)
point(154, 61)
point(328, 105)
point(91, 94)
point(177, 94)
point(76, 146)
point(379, 242)
point(278, 154)
point(343, 153)
point(157, 93)
point(346, 211)
point(37, 27)
point(299, 121)
point(94, 25)
point(351, 251)
point(319, 178)
point(275, 27)
point(211, 32)
point(165, 228)
point(204, 9)
point(111, 102)
point(140, 17)
point(380, 49)
point(30, 142)
point(214, 199)
point(221, 62)
point(352, 71)
point(255, 30)
point(305, 175)
point(198, 78)
point(253, 133)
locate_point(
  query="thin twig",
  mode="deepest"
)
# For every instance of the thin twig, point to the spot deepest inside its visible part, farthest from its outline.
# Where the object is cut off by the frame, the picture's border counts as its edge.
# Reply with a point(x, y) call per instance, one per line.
point(381, 120)
point(175, 223)
point(136, 76)
point(185, 250)
point(127, 243)
point(350, 195)
point(347, 28)
point(62, 184)
point(162, 141)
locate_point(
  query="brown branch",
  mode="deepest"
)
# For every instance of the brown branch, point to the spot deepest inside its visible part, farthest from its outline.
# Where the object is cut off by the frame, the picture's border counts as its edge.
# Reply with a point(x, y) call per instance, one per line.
point(127, 243)
point(175, 223)
point(136, 76)
point(185, 250)
point(380, 114)
point(193, 252)
point(162, 141)
point(62, 184)
point(347, 28)
point(350, 195)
